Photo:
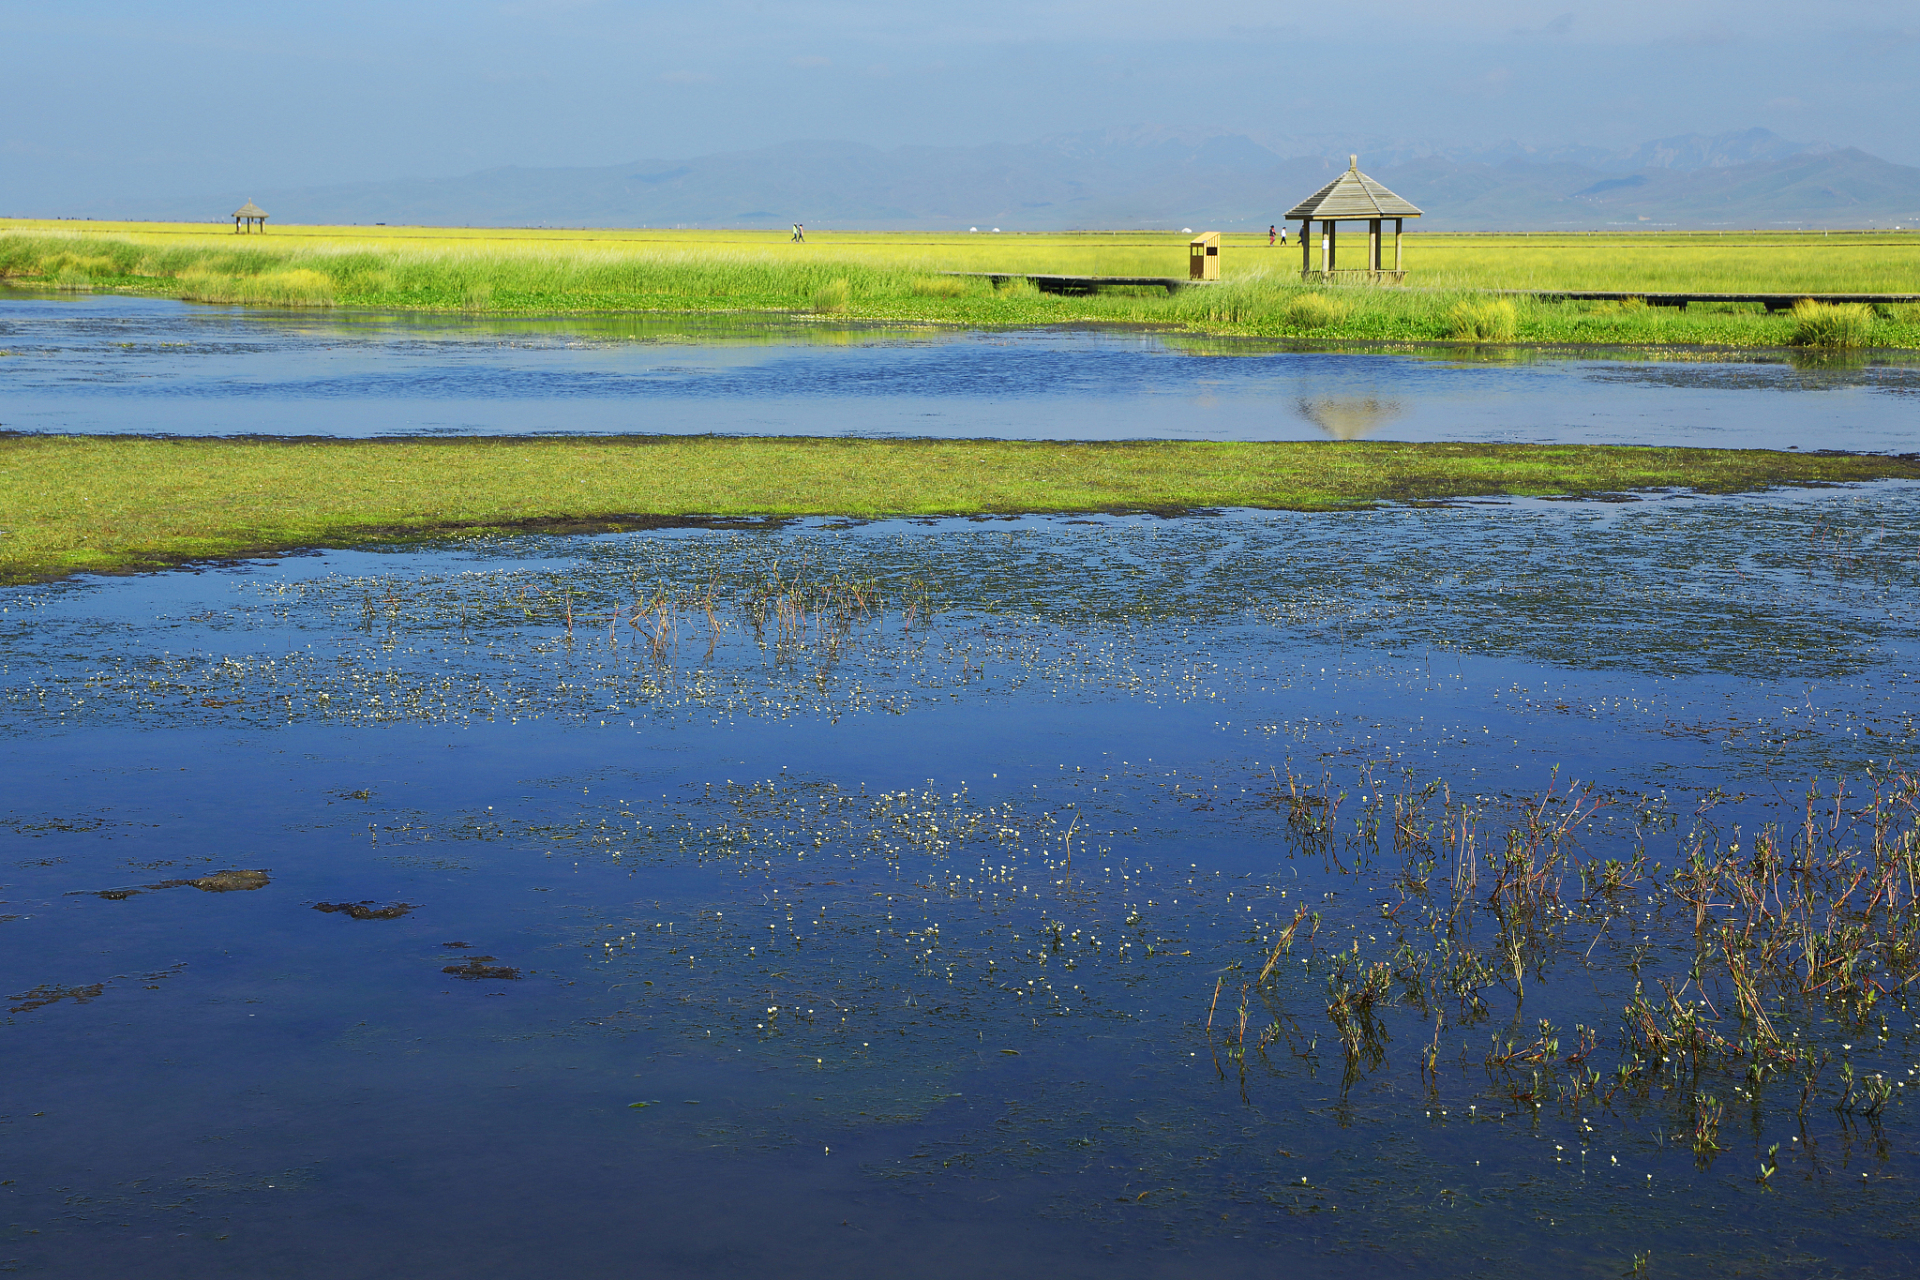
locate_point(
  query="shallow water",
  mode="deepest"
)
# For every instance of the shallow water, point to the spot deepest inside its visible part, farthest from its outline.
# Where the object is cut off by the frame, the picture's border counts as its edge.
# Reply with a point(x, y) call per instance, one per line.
point(774, 826)
point(114, 364)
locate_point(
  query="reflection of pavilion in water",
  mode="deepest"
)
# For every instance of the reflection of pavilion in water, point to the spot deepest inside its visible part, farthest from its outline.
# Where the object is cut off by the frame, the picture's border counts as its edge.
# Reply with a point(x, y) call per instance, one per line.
point(1349, 417)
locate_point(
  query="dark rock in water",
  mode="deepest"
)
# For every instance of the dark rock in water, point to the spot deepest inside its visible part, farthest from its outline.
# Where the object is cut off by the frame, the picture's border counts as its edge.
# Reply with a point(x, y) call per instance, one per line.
point(367, 911)
point(45, 995)
point(116, 895)
point(479, 968)
point(456, 944)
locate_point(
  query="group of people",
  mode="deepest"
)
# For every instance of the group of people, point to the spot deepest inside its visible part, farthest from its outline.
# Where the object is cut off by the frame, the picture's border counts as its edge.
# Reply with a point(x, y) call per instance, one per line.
point(1274, 232)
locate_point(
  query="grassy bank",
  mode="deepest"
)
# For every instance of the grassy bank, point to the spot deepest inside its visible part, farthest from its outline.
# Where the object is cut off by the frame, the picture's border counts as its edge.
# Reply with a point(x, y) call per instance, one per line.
point(899, 277)
point(74, 504)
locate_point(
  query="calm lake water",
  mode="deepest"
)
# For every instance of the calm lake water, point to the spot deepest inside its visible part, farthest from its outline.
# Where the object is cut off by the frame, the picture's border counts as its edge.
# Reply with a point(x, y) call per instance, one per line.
point(141, 365)
point(927, 896)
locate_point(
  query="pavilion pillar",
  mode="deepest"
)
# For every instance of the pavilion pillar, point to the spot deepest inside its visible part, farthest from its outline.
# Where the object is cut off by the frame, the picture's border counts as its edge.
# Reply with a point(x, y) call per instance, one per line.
point(1396, 243)
point(1306, 246)
point(1373, 244)
point(1326, 248)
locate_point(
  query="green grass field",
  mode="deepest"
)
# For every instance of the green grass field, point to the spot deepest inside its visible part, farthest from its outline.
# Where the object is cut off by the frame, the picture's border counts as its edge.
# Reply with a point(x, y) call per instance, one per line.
point(93, 504)
point(899, 276)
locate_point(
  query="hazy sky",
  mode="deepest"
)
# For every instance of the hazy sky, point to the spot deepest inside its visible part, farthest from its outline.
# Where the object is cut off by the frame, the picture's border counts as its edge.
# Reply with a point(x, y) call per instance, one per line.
point(113, 98)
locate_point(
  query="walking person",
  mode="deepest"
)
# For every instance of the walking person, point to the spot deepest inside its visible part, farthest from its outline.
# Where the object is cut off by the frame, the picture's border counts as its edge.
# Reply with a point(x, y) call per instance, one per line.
point(1269, 237)
point(1283, 235)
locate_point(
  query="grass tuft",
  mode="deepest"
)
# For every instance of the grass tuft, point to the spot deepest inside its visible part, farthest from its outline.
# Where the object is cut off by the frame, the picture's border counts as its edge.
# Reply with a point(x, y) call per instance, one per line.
point(833, 297)
point(939, 286)
point(1831, 324)
point(1311, 311)
point(1491, 320)
point(291, 287)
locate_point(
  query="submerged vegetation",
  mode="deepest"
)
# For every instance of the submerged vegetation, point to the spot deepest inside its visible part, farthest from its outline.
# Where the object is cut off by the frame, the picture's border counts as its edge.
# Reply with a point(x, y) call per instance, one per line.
point(903, 277)
point(113, 504)
point(1217, 990)
point(1245, 903)
point(1772, 937)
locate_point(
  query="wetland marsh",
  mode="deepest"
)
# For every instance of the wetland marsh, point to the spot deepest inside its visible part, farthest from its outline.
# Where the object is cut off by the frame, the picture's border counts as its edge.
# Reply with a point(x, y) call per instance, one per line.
point(938, 279)
point(1114, 894)
point(1453, 889)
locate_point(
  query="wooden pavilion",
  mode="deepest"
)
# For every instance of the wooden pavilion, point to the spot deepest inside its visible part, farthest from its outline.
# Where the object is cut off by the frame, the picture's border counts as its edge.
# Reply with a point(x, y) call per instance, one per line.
point(250, 215)
point(1351, 197)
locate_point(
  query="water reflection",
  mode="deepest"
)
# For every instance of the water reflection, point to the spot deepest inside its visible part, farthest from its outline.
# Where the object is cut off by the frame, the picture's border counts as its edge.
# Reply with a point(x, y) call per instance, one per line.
point(1349, 418)
point(147, 366)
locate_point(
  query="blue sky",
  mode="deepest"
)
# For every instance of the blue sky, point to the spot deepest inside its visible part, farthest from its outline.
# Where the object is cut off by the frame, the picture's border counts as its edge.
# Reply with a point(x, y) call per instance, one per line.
point(123, 99)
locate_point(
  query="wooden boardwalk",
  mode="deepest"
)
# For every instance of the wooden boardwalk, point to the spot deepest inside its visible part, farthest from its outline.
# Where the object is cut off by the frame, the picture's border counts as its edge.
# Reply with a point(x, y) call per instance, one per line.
point(1081, 286)
point(1772, 301)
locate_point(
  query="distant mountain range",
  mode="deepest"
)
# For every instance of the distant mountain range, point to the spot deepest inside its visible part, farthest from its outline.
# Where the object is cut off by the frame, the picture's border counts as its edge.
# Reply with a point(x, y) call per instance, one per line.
point(1136, 179)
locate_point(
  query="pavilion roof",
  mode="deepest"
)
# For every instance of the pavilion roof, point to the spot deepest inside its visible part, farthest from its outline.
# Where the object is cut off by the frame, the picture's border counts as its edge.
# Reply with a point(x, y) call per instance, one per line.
point(1353, 195)
point(249, 210)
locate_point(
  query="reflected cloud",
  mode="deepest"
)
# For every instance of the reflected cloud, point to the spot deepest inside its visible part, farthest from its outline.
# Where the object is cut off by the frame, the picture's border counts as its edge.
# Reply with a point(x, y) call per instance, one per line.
point(1350, 417)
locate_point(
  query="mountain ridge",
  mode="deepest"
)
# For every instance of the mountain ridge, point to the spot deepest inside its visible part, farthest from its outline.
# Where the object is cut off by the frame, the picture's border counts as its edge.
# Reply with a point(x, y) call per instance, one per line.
point(1134, 179)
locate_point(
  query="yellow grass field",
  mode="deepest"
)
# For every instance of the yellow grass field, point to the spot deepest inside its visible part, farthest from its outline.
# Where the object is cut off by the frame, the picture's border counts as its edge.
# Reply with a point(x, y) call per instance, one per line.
point(1745, 261)
point(918, 277)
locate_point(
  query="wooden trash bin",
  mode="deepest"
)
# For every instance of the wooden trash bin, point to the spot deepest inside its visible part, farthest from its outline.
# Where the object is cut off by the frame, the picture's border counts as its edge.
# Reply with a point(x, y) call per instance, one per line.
point(1203, 256)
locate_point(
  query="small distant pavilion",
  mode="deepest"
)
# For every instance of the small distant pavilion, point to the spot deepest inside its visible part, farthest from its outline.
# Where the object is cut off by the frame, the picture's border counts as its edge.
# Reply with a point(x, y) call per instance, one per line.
point(250, 215)
point(1351, 197)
